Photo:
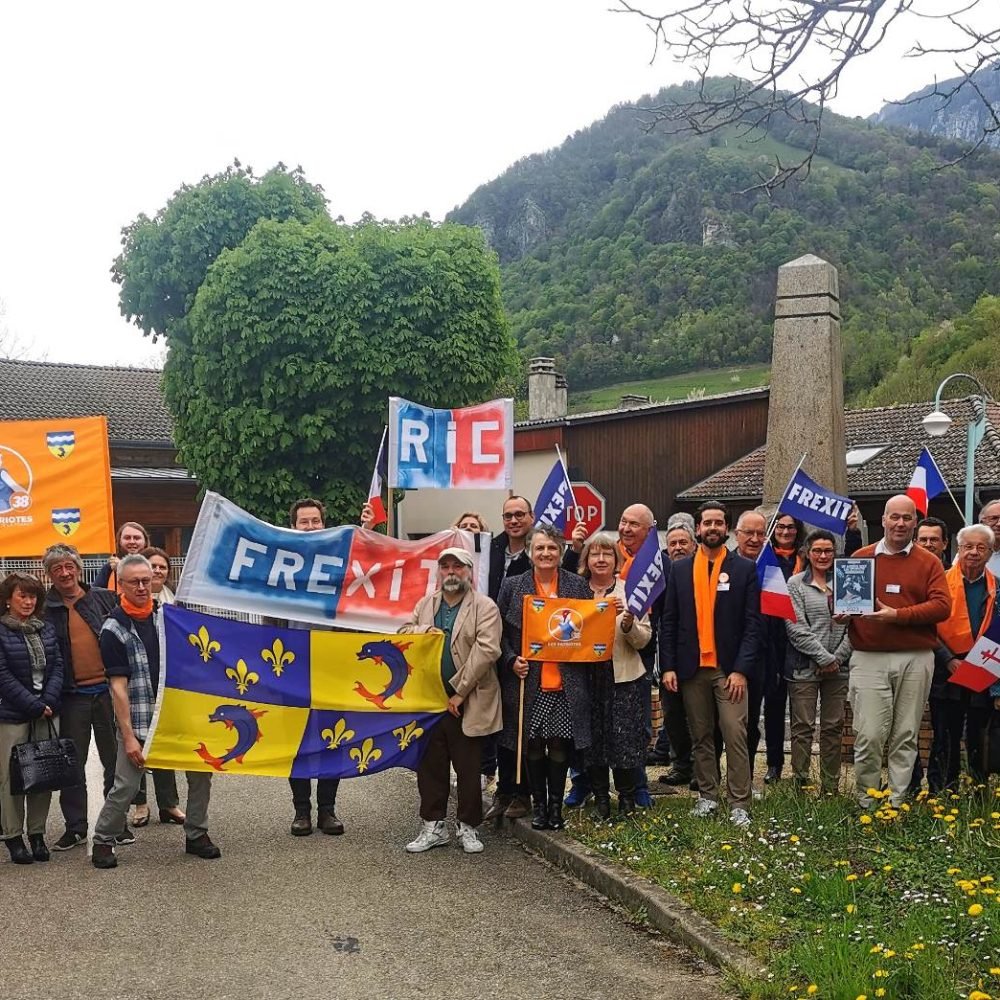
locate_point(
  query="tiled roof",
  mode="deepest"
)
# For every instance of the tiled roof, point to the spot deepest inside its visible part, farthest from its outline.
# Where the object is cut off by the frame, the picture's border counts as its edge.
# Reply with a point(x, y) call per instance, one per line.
point(131, 398)
point(898, 427)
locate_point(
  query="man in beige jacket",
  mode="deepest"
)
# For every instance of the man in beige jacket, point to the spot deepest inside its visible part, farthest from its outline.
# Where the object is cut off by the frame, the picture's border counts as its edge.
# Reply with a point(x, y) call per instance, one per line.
point(470, 622)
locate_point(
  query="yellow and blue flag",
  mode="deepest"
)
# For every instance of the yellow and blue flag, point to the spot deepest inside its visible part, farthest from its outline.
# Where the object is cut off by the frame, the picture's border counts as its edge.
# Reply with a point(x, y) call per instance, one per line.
point(259, 699)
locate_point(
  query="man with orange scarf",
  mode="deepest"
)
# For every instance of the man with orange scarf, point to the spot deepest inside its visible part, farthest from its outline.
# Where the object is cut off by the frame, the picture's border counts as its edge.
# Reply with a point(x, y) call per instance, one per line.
point(711, 634)
point(956, 711)
point(130, 649)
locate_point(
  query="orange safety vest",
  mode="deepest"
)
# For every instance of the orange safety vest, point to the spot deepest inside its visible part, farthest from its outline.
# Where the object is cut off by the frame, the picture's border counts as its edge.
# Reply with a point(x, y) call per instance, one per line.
point(956, 631)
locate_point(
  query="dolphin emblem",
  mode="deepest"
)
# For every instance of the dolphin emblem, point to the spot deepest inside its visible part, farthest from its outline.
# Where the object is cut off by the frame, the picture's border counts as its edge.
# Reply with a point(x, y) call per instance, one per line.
point(244, 721)
point(390, 654)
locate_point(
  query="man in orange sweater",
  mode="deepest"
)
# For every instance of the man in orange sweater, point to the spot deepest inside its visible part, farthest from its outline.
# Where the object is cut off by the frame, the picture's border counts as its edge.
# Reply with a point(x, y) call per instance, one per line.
point(893, 660)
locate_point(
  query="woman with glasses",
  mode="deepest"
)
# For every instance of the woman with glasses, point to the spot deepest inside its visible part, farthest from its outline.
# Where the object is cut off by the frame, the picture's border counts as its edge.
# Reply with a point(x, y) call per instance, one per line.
point(816, 664)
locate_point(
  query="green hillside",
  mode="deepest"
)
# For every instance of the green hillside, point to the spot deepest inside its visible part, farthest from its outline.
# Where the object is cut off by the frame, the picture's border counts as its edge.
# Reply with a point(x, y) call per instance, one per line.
point(607, 267)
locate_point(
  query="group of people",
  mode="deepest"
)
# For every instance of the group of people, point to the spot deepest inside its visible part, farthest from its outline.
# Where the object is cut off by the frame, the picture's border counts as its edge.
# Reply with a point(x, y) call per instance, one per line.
point(84, 660)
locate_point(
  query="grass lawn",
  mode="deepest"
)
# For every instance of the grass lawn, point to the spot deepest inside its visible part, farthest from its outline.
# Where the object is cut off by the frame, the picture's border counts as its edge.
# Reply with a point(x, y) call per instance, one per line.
point(893, 904)
point(710, 382)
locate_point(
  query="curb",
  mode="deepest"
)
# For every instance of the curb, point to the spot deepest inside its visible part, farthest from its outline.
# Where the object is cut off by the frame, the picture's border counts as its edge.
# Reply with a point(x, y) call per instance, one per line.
point(664, 911)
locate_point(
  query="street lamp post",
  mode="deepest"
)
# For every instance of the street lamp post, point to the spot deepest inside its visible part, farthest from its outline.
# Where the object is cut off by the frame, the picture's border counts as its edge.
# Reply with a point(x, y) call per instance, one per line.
point(937, 422)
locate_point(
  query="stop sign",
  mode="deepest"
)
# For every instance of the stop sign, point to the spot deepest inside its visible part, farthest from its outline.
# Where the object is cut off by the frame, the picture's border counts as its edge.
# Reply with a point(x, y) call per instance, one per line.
point(590, 509)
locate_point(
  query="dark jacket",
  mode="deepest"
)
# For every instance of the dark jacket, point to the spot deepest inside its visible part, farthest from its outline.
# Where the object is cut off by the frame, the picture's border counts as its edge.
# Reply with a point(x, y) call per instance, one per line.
point(18, 701)
point(93, 607)
point(575, 677)
point(738, 626)
point(519, 564)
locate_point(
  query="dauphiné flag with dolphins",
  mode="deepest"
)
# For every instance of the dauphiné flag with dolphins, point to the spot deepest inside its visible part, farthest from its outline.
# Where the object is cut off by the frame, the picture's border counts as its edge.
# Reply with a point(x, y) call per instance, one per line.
point(237, 698)
point(815, 504)
point(645, 580)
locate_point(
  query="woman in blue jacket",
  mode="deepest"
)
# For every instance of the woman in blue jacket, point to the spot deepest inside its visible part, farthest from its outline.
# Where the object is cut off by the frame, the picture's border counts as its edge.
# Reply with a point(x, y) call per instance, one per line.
point(31, 679)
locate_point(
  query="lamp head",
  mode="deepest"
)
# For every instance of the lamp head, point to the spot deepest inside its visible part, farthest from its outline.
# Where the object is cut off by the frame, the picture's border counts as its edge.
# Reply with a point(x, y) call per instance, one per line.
point(936, 423)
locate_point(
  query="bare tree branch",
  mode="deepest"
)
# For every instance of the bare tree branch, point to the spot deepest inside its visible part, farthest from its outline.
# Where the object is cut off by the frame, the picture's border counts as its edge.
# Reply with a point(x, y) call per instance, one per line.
point(793, 54)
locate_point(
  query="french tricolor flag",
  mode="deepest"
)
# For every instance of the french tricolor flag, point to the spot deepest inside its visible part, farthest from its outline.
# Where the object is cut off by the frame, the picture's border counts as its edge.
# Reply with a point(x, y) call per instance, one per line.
point(375, 490)
point(981, 666)
point(927, 482)
point(774, 597)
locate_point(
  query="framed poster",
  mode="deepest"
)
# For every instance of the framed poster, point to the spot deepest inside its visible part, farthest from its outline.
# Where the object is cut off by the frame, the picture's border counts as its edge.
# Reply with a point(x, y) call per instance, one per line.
point(853, 586)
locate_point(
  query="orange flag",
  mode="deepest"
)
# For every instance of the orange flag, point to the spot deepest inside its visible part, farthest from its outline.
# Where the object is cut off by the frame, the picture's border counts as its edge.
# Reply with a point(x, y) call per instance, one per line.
point(563, 630)
point(55, 485)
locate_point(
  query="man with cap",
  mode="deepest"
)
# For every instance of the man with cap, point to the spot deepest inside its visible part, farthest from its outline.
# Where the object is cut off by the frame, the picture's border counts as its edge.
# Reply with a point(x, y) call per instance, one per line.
point(470, 622)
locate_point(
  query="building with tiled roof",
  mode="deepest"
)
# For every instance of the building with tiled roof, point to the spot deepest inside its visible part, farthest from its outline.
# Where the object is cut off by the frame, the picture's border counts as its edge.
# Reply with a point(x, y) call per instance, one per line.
point(148, 484)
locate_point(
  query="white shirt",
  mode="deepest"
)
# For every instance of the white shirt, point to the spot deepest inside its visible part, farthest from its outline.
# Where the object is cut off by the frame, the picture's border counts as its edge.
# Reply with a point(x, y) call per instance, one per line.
point(881, 550)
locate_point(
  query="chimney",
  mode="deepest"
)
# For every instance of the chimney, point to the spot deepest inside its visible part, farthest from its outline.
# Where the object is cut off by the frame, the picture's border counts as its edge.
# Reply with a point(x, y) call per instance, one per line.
point(542, 396)
point(562, 392)
point(631, 400)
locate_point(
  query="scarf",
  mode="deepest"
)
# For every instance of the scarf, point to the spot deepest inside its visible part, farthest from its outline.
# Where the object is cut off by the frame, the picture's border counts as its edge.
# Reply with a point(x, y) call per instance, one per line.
point(956, 630)
point(30, 629)
point(551, 677)
point(627, 558)
point(136, 611)
point(706, 587)
point(788, 555)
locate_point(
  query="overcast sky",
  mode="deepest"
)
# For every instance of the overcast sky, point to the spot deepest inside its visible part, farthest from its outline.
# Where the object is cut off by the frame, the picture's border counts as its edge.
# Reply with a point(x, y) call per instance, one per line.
point(396, 107)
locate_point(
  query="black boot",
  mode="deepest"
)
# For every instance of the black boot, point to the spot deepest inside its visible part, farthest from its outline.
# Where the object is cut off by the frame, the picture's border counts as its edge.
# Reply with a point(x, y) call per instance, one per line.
point(38, 849)
point(536, 779)
point(625, 786)
point(19, 854)
point(601, 784)
point(557, 788)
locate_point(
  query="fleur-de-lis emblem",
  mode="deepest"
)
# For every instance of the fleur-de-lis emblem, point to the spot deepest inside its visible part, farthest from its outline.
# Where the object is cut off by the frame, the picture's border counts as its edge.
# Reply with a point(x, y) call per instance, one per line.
point(407, 734)
point(204, 643)
point(278, 657)
point(243, 677)
point(339, 734)
point(367, 754)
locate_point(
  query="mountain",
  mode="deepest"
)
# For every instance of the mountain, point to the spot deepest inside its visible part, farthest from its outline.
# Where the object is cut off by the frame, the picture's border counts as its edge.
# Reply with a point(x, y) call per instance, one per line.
point(633, 255)
point(963, 118)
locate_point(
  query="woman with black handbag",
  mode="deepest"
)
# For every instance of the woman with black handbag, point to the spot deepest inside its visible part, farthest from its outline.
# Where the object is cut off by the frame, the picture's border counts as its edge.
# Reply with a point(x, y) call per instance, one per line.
point(31, 679)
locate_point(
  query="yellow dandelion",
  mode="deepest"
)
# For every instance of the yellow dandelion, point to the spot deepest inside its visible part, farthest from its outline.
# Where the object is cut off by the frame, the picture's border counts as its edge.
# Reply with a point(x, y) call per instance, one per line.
point(948, 819)
point(738, 888)
point(726, 847)
point(995, 971)
point(850, 907)
point(851, 878)
point(975, 910)
point(875, 949)
point(880, 974)
point(954, 871)
point(864, 819)
point(861, 996)
point(979, 995)
point(793, 839)
point(887, 868)
point(880, 992)
point(812, 989)
point(796, 890)
point(889, 953)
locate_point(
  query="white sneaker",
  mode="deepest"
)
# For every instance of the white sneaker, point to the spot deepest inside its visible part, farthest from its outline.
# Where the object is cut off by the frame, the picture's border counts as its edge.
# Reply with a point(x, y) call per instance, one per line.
point(739, 817)
point(434, 833)
point(469, 839)
point(704, 807)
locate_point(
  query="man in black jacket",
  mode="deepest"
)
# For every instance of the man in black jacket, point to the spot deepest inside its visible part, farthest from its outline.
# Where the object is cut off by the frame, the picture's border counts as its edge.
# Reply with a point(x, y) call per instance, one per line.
point(77, 612)
point(709, 643)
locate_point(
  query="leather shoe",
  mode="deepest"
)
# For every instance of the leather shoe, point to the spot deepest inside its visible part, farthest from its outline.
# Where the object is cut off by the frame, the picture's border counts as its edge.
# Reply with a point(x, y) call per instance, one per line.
point(202, 847)
point(656, 760)
point(519, 807)
point(19, 854)
point(499, 805)
point(773, 774)
point(168, 816)
point(103, 856)
point(675, 777)
point(327, 822)
point(38, 849)
point(302, 826)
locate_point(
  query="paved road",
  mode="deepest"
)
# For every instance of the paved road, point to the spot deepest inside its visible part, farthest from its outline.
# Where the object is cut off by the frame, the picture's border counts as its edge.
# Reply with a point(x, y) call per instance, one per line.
point(332, 917)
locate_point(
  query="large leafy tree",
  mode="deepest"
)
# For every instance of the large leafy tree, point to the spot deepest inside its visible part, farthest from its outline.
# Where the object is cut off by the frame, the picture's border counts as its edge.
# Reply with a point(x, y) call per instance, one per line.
point(279, 368)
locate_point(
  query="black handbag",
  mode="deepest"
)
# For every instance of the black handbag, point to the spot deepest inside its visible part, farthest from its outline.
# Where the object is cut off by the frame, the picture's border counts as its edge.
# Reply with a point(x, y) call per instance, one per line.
point(43, 765)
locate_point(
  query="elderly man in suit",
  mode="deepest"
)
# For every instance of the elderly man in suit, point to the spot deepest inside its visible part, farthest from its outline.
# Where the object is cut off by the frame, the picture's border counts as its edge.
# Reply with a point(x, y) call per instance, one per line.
point(709, 642)
point(471, 625)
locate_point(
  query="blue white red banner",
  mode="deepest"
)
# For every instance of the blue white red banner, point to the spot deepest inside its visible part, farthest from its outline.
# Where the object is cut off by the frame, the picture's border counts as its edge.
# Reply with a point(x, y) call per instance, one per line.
point(981, 667)
point(645, 580)
point(347, 576)
point(926, 482)
point(815, 504)
point(470, 448)
point(774, 597)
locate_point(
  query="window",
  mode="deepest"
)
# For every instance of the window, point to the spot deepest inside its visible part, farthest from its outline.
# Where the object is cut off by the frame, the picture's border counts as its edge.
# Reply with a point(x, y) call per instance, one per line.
point(862, 453)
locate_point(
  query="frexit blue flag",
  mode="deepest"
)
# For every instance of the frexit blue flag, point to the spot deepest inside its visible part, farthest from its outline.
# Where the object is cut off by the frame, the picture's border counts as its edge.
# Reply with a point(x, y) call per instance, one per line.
point(815, 504)
point(645, 580)
point(554, 499)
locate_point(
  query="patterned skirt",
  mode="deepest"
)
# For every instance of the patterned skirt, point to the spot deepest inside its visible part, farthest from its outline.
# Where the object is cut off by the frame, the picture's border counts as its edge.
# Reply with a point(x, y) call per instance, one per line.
point(617, 720)
point(550, 717)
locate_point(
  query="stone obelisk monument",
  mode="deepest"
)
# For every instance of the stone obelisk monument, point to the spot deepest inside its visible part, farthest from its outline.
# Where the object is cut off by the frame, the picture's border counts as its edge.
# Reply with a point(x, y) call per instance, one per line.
point(806, 409)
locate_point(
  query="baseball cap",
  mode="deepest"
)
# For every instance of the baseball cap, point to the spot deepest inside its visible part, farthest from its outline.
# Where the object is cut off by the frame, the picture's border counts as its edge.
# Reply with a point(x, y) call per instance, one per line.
point(462, 555)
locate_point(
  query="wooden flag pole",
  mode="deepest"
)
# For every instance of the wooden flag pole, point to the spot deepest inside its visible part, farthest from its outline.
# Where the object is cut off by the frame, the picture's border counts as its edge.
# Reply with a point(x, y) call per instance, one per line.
point(520, 729)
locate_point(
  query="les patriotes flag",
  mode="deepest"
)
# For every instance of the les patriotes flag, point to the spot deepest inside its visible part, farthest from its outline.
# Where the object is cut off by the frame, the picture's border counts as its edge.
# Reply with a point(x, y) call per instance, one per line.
point(55, 485)
point(563, 630)
point(256, 699)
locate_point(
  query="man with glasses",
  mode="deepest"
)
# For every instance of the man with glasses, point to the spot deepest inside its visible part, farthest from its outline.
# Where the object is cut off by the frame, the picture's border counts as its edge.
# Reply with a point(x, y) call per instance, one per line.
point(933, 535)
point(130, 650)
point(990, 516)
point(893, 659)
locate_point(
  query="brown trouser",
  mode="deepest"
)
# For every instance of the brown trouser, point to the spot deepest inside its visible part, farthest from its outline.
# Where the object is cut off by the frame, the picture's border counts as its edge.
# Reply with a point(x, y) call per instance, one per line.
point(831, 692)
point(447, 747)
point(704, 695)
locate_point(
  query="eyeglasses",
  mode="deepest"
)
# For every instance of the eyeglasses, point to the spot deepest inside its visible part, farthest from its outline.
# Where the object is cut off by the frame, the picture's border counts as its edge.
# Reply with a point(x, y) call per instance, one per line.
point(515, 515)
point(824, 553)
point(140, 584)
point(784, 527)
point(991, 519)
point(751, 534)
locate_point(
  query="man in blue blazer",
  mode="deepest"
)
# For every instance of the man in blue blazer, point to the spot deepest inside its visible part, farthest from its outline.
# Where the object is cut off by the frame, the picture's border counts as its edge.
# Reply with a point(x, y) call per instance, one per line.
point(709, 641)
